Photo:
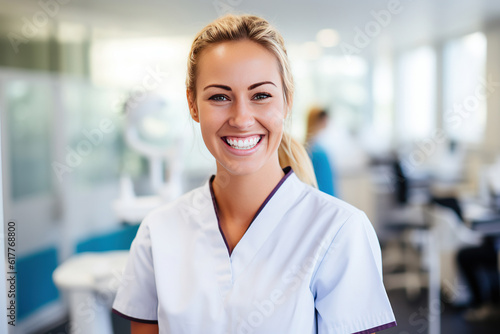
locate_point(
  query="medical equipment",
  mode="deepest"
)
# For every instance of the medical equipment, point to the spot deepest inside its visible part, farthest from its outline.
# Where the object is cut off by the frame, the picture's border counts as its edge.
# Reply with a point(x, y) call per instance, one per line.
point(151, 130)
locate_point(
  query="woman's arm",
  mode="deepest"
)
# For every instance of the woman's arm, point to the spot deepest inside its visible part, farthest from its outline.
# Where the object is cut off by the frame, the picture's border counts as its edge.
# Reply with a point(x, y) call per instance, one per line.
point(142, 328)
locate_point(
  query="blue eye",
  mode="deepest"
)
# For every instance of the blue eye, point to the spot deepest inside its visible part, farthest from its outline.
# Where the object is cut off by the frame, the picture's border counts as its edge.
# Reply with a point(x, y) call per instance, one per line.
point(261, 96)
point(218, 97)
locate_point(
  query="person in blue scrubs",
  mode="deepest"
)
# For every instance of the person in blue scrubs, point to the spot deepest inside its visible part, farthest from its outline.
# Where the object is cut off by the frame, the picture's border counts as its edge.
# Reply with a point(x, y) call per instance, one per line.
point(257, 248)
point(317, 120)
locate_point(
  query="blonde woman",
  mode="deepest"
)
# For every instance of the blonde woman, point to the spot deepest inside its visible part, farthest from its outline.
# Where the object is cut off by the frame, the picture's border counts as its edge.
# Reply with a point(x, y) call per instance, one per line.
point(256, 249)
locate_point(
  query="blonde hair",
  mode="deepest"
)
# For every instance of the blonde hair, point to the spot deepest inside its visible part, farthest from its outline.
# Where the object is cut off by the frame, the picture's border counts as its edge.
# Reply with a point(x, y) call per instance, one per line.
point(240, 27)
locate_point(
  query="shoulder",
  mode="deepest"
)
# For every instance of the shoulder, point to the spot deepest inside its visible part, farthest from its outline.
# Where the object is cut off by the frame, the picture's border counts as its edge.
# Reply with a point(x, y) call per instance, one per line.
point(348, 236)
point(352, 222)
point(330, 205)
point(326, 216)
point(348, 232)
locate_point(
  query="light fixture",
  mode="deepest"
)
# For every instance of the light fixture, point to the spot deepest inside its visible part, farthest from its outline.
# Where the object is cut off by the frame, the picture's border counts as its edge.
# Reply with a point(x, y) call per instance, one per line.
point(327, 38)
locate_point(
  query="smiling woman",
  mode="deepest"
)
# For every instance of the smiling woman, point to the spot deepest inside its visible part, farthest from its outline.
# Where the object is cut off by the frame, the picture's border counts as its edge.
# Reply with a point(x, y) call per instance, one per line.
point(249, 107)
point(257, 249)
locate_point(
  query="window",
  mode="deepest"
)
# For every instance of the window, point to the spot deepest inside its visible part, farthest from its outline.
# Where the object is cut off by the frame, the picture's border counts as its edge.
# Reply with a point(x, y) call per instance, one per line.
point(464, 92)
point(416, 86)
point(333, 83)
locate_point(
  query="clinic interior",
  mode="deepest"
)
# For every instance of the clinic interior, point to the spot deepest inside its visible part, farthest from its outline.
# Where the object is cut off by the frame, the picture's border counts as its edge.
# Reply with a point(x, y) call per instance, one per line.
point(95, 131)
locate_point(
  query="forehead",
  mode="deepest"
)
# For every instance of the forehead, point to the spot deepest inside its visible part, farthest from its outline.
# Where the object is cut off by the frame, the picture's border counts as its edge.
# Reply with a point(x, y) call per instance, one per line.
point(237, 63)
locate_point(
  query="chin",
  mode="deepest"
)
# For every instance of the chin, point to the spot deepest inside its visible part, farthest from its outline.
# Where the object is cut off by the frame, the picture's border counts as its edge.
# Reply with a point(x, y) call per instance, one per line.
point(240, 168)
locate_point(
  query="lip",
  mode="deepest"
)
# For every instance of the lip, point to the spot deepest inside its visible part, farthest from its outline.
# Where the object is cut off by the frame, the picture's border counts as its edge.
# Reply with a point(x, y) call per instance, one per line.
point(243, 137)
point(243, 152)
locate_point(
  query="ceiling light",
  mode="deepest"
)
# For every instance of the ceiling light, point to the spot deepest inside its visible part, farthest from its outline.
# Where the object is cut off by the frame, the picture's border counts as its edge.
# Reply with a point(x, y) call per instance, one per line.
point(327, 38)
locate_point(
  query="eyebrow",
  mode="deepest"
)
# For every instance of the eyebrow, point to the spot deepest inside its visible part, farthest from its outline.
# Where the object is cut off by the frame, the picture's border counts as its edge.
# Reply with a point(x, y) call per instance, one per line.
point(255, 85)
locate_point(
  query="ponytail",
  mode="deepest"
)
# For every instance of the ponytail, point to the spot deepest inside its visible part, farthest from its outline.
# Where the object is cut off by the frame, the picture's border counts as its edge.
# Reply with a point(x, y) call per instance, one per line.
point(292, 153)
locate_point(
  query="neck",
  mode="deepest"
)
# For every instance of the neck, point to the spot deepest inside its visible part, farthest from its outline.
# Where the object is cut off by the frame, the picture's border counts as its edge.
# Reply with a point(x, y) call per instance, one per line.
point(240, 196)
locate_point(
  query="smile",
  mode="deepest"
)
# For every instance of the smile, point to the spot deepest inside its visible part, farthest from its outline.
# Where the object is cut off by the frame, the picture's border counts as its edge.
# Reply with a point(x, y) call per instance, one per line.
point(240, 143)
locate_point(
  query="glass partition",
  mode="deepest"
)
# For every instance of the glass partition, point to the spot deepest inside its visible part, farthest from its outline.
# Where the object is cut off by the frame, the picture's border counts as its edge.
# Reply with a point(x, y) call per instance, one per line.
point(29, 113)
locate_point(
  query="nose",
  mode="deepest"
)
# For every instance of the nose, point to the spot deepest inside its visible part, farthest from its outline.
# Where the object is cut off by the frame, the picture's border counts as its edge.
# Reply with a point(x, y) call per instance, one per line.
point(242, 116)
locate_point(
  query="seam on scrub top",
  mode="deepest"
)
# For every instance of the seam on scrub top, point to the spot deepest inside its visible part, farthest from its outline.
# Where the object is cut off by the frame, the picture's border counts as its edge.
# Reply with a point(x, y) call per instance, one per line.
point(273, 192)
point(378, 328)
point(216, 211)
point(128, 317)
point(328, 248)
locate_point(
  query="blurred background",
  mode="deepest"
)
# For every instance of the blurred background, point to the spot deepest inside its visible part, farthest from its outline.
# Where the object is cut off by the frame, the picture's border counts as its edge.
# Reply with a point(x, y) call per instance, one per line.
point(95, 132)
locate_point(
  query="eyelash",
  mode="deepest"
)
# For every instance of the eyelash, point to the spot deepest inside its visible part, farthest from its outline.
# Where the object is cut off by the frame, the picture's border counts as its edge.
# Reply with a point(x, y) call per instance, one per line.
point(258, 96)
point(266, 95)
point(217, 97)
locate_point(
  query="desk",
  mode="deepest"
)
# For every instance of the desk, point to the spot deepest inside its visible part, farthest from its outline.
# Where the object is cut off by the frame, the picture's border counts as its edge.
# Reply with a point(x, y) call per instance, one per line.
point(478, 215)
point(489, 227)
point(487, 222)
point(446, 232)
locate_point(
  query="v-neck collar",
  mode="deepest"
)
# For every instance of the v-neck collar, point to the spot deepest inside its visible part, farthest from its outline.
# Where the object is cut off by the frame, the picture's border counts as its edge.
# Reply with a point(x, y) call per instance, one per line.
point(228, 268)
point(287, 170)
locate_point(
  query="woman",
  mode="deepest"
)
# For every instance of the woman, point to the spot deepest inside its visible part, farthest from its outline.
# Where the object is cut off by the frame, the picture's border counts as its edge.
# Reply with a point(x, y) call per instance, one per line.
point(254, 250)
point(317, 120)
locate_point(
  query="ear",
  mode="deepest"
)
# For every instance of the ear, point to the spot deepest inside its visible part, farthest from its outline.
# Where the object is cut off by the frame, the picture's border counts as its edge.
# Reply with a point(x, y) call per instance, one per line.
point(193, 109)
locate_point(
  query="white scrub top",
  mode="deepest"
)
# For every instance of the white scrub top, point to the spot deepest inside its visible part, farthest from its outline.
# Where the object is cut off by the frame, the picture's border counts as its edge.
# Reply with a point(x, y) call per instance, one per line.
point(308, 263)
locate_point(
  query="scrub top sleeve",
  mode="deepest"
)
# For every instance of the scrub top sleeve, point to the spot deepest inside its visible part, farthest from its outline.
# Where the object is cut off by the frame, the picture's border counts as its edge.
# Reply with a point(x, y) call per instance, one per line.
point(349, 293)
point(136, 298)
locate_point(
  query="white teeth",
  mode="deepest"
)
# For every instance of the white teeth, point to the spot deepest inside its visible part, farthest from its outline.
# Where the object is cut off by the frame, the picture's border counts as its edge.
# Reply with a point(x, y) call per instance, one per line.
point(243, 144)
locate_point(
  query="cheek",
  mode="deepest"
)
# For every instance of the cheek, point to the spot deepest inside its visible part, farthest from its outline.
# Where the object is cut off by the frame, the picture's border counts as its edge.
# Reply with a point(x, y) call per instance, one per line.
point(207, 131)
point(275, 119)
point(209, 124)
